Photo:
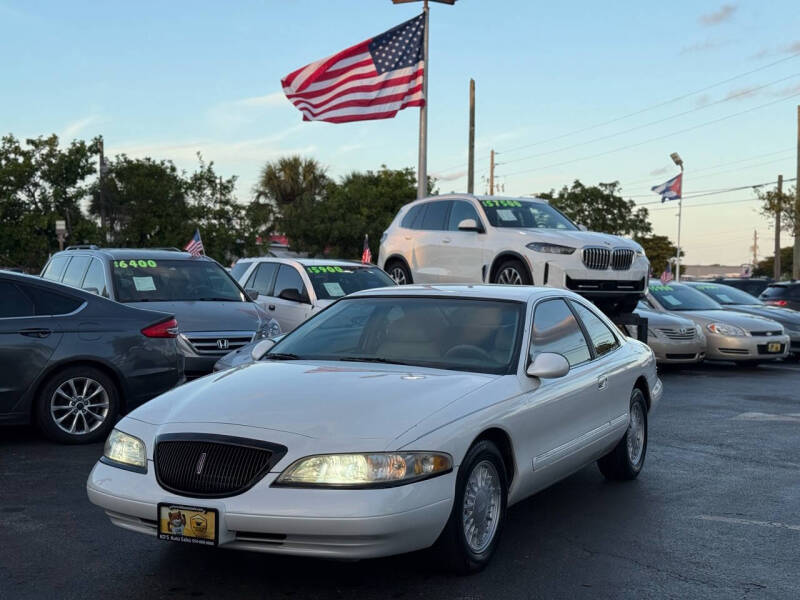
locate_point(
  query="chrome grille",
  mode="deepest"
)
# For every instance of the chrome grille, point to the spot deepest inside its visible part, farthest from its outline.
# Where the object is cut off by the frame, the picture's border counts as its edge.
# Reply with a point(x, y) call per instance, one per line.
point(681, 335)
point(217, 343)
point(596, 258)
point(208, 466)
point(621, 259)
point(765, 333)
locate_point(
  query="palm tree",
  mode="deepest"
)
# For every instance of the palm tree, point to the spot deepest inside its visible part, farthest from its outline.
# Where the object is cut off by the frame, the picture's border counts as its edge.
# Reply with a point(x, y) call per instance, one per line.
point(289, 179)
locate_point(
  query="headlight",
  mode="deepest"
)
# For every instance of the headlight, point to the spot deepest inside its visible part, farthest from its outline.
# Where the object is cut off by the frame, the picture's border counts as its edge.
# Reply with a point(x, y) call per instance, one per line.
point(639, 251)
point(549, 248)
point(270, 329)
point(379, 469)
point(723, 329)
point(125, 451)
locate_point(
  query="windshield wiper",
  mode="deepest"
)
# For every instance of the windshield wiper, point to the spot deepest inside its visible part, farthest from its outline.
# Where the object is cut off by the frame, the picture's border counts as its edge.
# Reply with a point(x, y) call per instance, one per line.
point(280, 356)
point(372, 359)
point(216, 300)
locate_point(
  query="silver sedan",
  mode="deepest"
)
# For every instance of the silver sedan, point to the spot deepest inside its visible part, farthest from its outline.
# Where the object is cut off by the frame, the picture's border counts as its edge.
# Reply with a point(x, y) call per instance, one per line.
point(390, 422)
point(729, 335)
point(673, 339)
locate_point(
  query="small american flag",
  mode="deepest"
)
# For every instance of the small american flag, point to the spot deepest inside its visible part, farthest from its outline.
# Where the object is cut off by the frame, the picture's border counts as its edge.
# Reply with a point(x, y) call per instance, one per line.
point(195, 245)
point(666, 276)
point(366, 255)
point(371, 80)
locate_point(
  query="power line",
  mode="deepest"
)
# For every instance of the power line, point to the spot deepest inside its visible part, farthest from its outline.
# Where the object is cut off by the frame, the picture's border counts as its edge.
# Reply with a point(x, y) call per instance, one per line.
point(713, 194)
point(704, 193)
point(655, 106)
point(651, 123)
point(653, 139)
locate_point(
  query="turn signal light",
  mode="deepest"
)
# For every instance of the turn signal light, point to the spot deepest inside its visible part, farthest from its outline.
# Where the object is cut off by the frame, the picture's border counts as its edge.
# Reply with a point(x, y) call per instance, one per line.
point(777, 302)
point(164, 329)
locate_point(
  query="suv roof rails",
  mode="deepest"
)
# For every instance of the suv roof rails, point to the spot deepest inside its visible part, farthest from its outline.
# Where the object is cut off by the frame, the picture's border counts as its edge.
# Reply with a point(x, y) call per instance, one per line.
point(83, 247)
point(167, 248)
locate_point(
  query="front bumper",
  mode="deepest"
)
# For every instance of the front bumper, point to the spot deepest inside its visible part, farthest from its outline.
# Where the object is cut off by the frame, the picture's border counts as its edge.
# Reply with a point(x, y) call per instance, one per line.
point(676, 352)
point(569, 272)
point(745, 348)
point(348, 524)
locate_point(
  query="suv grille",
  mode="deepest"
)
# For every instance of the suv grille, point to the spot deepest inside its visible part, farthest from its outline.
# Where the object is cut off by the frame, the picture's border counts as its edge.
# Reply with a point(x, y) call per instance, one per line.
point(212, 466)
point(622, 259)
point(217, 343)
point(682, 335)
point(596, 258)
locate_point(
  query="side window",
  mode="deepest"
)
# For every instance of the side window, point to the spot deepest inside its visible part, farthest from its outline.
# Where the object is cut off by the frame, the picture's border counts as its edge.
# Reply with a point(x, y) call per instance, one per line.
point(55, 269)
point(77, 267)
point(49, 303)
point(434, 219)
point(410, 217)
point(603, 339)
point(239, 269)
point(289, 278)
point(261, 279)
point(95, 280)
point(461, 210)
point(13, 303)
point(555, 329)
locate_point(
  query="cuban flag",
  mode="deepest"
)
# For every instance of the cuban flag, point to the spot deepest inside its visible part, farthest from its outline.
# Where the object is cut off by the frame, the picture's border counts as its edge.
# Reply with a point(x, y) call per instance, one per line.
point(670, 190)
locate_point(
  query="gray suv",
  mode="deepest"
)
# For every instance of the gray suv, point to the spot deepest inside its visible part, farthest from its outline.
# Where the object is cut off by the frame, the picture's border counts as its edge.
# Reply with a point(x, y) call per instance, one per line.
point(214, 313)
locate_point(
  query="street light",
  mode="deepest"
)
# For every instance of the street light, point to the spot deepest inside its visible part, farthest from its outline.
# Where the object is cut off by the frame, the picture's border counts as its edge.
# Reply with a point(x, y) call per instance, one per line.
point(676, 158)
point(61, 230)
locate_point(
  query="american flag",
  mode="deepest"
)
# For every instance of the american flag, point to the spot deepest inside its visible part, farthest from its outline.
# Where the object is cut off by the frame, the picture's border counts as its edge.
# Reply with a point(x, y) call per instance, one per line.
point(366, 255)
point(666, 276)
point(371, 80)
point(195, 245)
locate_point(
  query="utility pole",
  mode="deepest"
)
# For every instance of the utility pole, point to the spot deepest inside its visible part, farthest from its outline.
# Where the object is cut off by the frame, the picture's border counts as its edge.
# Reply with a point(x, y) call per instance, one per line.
point(471, 153)
point(796, 253)
point(755, 247)
point(100, 195)
point(776, 263)
point(491, 174)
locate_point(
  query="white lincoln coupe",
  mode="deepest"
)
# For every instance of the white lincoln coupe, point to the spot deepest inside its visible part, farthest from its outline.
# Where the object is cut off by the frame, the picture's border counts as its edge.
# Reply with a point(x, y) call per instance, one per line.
point(395, 420)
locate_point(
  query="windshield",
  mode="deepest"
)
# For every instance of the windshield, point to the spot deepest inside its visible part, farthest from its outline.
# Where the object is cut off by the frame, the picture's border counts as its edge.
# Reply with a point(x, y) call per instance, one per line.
point(775, 291)
point(680, 297)
point(725, 294)
point(146, 280)
point(521, 214)
point(443, 333)
point(331, 282)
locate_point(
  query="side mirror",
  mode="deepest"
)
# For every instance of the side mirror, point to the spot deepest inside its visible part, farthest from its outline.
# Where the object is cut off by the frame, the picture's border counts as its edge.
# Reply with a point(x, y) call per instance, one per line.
point(251, 293)
point(582, 227)
point(548, 365)
point(261, 348)
point(469, 225)
point(293, 295)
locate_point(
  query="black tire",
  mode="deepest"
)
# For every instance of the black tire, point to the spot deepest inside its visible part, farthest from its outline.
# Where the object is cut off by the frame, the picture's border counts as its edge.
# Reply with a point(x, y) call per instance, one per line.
point(452, 547)
point(619, 465)
point(512, 272)
point(398, 271)
point(91, 416)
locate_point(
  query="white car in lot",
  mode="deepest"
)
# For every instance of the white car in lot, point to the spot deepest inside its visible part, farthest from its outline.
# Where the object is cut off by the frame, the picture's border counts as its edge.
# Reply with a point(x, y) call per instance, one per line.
point(293, 289)
point(394, 420)
point(462, 238)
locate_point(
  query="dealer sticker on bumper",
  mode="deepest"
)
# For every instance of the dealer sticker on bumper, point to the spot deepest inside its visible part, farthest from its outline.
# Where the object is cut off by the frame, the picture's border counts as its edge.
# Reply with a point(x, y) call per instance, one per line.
point(189, 524)
point(774, 347)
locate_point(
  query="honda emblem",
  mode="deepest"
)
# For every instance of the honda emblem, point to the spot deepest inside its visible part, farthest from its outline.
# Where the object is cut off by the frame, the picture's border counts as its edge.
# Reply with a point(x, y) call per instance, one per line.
point(223, 344)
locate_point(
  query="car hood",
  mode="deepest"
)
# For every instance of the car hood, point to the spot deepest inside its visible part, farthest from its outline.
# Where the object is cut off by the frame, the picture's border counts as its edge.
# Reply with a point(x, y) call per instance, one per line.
point(789, 318)
point(656, 319)
point(316, 399)
point(747, 322)
point(578, 239)
point(210, 316)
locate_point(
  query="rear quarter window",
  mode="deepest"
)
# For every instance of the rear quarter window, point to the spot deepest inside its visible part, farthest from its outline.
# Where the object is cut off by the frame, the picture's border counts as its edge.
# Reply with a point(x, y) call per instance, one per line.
point(55, 268)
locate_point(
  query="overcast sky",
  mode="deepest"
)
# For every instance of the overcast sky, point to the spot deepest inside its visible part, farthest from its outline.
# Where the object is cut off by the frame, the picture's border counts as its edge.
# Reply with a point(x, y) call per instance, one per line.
point(556, 83)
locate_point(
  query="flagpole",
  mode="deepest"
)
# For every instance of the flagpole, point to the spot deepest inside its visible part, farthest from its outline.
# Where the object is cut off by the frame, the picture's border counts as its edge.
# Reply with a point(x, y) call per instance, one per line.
point(422, 166)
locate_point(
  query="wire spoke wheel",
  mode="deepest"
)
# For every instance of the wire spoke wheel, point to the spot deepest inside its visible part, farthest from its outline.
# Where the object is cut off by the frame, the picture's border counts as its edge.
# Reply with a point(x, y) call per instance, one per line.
point(509, 276)
point(480, 515)
point(636, 433)
point(399, 275)
point(79, 405)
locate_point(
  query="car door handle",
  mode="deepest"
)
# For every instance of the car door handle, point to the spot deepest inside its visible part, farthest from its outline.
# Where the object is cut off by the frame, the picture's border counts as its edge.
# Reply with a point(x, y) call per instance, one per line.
point(446, 240)
point(602, 382)
point(36, 332)
point(272, 307)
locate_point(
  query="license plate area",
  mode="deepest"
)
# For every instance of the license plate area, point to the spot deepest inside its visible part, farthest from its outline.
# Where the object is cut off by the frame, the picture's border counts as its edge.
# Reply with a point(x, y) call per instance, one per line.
point(188, 524)
point(774, 347)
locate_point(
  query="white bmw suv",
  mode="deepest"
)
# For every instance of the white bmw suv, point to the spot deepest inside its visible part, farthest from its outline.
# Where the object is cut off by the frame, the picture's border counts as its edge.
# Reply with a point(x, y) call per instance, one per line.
point(488, 239)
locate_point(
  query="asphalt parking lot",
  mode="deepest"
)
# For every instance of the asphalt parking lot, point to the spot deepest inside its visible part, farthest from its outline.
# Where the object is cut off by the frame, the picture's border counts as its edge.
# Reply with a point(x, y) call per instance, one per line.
point(713, 515)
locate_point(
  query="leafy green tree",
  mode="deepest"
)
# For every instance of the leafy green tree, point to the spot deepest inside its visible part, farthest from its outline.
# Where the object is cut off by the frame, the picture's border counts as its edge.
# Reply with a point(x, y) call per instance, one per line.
point(659, 250)
point(765, 267)
point(600, 208)
point(773, 202)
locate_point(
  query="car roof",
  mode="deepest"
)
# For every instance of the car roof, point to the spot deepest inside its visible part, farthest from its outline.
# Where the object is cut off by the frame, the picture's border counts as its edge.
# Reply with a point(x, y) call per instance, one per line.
point(308, 262)
point(47, 283)
point(484, 291)
point(476, 197)
point(129, 253)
